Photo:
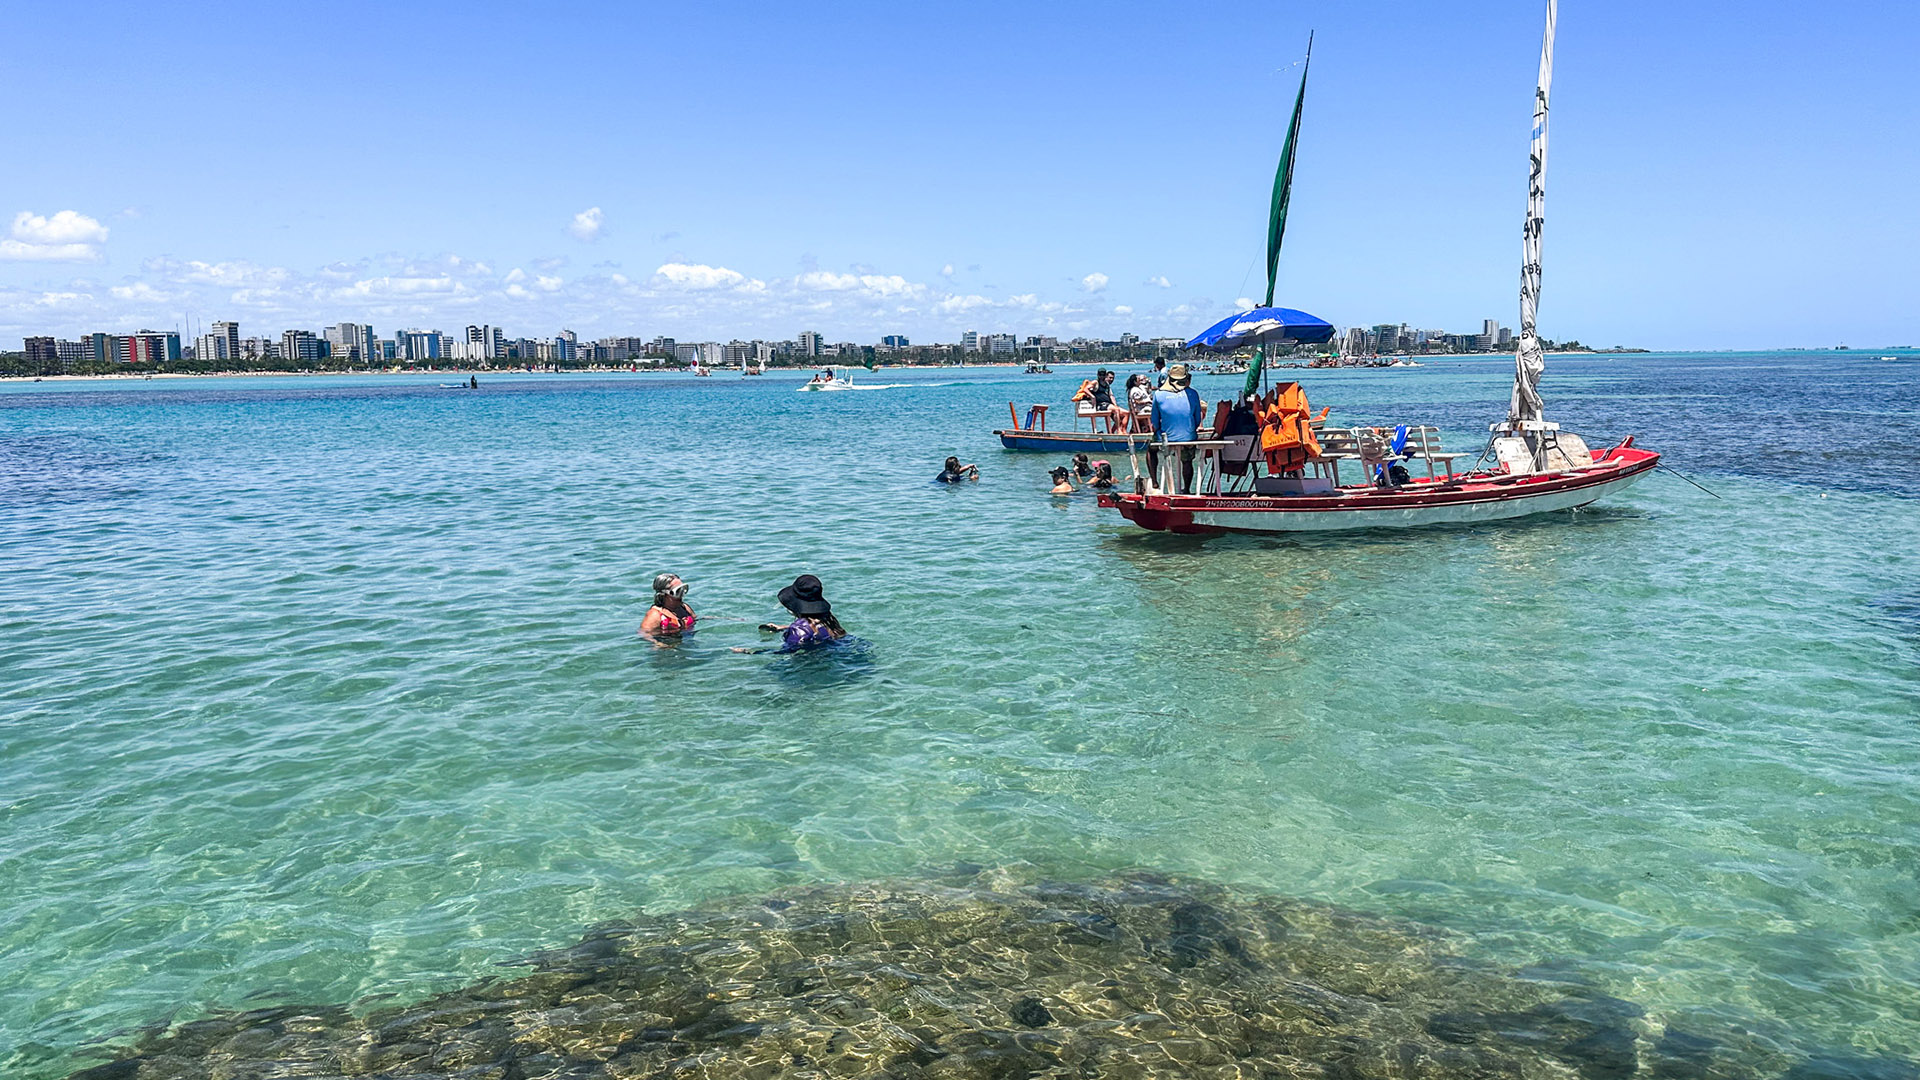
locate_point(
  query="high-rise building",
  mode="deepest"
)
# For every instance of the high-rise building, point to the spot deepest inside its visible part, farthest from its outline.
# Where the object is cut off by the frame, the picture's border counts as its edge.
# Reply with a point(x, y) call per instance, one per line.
point(353, 341)
point(810, 342)
point(42, 355)
point(999, 344)
point(418, 345)
point(1504, 338)
point(970, 340)
point(148, 347)
point(228, 334)
point(894, 341)
point(302, 346)
point(486, 342)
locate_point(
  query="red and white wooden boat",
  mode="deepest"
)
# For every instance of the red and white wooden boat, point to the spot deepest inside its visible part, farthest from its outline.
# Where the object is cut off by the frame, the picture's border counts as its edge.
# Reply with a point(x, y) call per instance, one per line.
point(1471, 497)
point(1537, 467)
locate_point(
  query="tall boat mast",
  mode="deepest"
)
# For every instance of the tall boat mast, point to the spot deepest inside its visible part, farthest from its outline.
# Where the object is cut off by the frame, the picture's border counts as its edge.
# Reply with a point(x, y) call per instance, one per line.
point(1524, 411)
point(1277, 214)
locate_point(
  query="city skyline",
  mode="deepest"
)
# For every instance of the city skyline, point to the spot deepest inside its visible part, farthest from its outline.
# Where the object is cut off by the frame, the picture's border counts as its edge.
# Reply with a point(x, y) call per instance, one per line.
point(1036, 170)
point(360, 343)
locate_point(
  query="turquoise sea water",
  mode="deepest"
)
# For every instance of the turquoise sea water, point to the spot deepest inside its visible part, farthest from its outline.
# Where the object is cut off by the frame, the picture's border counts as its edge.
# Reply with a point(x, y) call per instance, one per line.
point(321, 688)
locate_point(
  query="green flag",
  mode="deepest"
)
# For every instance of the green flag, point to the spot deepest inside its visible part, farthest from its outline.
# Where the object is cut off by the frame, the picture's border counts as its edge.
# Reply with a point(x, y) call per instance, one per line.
point(1277, 214)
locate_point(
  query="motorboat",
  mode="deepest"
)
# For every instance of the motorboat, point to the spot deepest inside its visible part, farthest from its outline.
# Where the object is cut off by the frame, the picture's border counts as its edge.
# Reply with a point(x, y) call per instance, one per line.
point(828, 379)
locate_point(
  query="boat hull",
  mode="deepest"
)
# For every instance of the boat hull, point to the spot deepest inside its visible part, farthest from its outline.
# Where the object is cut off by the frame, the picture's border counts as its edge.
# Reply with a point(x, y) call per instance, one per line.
point(1415, 506)
point(1070, 441)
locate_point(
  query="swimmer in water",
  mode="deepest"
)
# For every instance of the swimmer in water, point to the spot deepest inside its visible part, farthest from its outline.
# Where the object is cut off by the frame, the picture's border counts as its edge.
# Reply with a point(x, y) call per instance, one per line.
point(1062, 480)
point(813, 623)
point(669, 617)
point(954, 472)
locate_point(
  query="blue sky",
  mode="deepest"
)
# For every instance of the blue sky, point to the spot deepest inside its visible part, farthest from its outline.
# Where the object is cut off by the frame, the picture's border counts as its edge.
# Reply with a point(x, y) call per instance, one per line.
point(1723, 175)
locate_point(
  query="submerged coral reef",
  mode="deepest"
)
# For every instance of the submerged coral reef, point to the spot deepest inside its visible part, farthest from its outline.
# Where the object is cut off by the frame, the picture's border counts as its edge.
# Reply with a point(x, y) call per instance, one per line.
point(976, 975)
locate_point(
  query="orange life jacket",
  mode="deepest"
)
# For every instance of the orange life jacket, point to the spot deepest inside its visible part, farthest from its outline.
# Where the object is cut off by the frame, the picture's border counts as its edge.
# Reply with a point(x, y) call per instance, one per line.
point(1286, 429)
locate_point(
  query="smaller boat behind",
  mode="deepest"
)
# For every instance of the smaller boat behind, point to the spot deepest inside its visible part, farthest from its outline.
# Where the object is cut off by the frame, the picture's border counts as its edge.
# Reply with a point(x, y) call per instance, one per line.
point(1033, 434)
point(829, 379)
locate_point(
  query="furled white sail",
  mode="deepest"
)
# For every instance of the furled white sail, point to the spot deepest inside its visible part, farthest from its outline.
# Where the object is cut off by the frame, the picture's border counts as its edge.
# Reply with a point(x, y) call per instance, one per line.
point(1529, 359)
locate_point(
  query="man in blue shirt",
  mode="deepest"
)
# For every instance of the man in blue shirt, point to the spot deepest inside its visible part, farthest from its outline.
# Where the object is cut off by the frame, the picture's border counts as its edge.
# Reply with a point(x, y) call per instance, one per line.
point(1176, 417)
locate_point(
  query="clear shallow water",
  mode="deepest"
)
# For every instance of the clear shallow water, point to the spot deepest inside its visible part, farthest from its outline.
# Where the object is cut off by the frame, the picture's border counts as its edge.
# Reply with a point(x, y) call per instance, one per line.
point(320, 688)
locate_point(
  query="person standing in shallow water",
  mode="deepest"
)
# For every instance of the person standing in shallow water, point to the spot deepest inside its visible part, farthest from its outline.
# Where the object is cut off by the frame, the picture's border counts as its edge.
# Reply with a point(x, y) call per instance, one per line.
point(813, 624)
point(669, 617)
point(953, 472)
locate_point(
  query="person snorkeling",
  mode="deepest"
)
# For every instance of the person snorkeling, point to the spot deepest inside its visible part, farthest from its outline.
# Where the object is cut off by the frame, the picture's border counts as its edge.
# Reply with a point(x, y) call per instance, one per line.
point(813, 625)
point(669, 618)
point(954, 472)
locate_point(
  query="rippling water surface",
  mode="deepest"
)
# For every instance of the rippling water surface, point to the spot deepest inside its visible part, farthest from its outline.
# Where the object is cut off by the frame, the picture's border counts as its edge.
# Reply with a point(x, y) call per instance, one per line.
point(316, 689)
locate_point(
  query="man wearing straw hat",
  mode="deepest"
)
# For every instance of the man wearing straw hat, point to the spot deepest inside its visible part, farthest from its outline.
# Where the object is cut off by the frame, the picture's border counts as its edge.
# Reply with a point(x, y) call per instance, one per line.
point(1176, 418)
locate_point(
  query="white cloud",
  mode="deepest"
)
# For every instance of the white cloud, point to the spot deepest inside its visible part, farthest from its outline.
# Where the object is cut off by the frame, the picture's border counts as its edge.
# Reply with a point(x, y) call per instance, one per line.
point(65, 227)
point(953, 305)
point(1094, 282)
point(515, 276)
point(62, 299)
point(1244, 304)
point(698, 277)
point(1122, 309)
point(1159, 281)
point(548, 284)
point(235, 274)
point(68, 236)
point(947, 270)
point(588, 224)
point(391, 286)
point(138, 291)
point(878, 286)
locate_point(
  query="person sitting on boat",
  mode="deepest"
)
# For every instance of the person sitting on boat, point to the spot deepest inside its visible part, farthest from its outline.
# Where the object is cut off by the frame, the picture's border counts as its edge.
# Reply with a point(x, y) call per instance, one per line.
point(1140, 403)
point(953, 472)
point(813, 624)
point(1102, 399)
point(1176, 418)
point(669, 617)
point(1062, 480)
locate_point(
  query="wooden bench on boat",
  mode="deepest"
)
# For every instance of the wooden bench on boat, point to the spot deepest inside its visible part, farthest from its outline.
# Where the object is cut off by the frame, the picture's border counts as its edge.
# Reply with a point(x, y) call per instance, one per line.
point(1084, 410)
point(1350, 444)
point(1424, 443)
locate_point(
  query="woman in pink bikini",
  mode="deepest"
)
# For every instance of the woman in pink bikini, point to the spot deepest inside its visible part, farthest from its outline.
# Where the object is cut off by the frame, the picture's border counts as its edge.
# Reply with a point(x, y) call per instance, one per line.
point(669, 617)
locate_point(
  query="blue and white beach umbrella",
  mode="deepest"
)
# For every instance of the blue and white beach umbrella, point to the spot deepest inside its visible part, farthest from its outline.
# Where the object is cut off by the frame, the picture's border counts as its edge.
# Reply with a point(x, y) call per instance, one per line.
point(1263, 326)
